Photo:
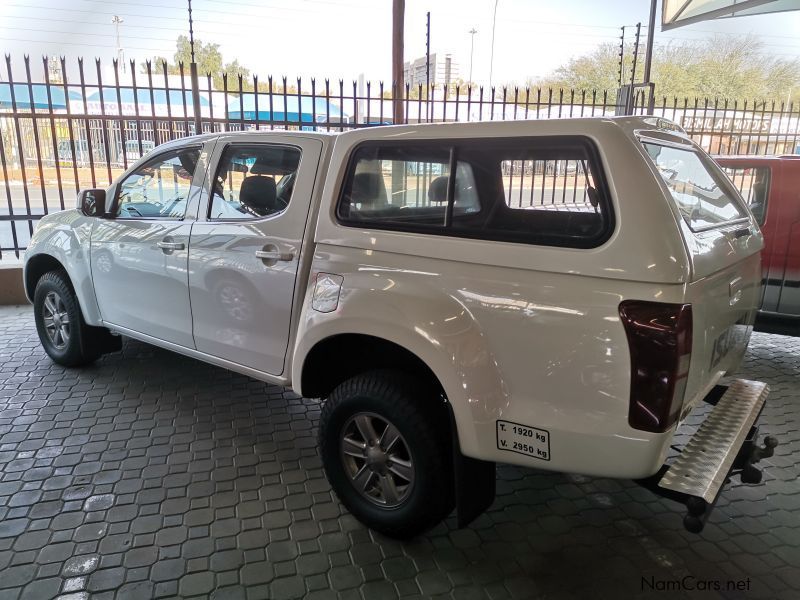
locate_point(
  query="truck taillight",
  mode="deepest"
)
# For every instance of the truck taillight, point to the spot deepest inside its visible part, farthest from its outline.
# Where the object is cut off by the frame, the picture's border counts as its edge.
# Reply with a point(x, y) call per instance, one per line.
point(660, 343)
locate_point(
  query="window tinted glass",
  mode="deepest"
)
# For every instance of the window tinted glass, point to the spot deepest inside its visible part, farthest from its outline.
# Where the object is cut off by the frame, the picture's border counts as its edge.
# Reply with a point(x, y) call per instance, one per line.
point(696, 190)
point(406, 185)
point(532, 190)
point(753, 185)
point(254, 181)
point(160, 187)
point(560, 185)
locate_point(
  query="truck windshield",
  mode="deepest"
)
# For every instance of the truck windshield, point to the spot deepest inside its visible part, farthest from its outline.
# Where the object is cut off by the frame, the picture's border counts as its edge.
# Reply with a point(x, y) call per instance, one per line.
point(700, 194)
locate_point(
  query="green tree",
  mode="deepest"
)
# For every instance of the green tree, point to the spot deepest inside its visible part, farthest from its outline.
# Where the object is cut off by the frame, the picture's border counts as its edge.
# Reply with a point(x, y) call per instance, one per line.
point(719, 67)
point(209, 62)
point(598, 70)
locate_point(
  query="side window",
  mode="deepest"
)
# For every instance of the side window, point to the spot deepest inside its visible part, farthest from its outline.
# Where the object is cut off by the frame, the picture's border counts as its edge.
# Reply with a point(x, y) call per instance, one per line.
point(702, 196)
point(254, 181)
point(563, 185)
point(406, 185)
point(753, 185)
point(159, 188)
point(541, 190)
point(549, 192)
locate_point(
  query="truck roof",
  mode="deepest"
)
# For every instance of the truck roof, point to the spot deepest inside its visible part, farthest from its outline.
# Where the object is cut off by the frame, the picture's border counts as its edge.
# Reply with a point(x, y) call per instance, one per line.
point(478, 129)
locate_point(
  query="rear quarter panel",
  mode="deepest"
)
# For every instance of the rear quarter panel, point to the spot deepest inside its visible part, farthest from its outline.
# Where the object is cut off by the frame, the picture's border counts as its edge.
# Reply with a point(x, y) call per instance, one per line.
point(518, 332)
point(540, 349)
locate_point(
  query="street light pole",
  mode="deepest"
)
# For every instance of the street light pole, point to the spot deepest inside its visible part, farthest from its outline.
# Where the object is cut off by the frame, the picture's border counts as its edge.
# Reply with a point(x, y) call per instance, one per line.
point(472, 33)
point(117, 21)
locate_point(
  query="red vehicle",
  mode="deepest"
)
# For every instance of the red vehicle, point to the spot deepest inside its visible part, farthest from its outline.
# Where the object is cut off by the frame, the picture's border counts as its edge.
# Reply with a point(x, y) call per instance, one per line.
point(771, 187)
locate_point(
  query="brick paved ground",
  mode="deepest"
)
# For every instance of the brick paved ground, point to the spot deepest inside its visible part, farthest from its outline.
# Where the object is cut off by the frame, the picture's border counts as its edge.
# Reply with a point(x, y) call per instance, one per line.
point(150, 474)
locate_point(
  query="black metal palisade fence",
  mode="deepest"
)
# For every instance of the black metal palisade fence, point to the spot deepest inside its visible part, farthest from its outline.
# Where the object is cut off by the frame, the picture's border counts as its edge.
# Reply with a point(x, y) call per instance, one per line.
point(74, 127)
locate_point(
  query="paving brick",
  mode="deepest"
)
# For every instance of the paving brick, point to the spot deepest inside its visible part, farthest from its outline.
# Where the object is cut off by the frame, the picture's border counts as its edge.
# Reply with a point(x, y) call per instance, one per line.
point(197, 584)
point(153, 475)
point(288, 588)
point(106, 579)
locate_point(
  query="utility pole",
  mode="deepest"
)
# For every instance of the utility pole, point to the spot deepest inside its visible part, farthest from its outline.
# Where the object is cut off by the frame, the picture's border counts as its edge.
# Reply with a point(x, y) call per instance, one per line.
point(117, 21)
point(198, 124)
point(398, 16)
point(472, 33)
point(648, 57)
point(428, 64)
point(651, 30)
point(491, 60)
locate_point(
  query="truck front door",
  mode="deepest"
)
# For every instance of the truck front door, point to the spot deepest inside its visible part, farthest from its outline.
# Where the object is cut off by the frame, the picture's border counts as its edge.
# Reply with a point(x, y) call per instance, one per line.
point(244, 252)
point(139, 253)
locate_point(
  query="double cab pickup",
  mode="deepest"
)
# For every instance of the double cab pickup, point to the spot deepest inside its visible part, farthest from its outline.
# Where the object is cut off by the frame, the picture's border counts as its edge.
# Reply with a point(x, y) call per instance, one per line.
point(553, 294)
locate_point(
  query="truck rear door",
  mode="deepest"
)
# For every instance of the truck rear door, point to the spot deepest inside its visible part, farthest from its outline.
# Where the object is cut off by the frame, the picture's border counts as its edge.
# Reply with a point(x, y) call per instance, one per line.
point(244, 251)
point(723, 243)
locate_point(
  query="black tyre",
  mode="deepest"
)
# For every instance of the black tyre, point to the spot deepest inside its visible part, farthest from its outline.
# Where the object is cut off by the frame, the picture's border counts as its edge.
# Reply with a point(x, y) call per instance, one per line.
point(65, 336)
point(385, 445)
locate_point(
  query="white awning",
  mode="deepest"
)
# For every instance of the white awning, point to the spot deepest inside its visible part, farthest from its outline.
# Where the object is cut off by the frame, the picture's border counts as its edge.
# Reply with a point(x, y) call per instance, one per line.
point(677, 13)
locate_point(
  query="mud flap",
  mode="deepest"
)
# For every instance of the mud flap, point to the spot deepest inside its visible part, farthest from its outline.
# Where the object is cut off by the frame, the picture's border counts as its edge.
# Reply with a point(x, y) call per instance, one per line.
point(475, 487)
point(102, 340)
point(474, 482)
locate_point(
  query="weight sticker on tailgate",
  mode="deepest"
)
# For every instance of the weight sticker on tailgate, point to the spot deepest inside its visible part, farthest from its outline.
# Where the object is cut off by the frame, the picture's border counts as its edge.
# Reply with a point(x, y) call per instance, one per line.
point(522, 439)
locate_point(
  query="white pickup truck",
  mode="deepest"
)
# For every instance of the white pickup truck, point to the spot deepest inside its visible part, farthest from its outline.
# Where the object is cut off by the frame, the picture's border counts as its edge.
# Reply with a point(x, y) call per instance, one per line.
point(553, 294)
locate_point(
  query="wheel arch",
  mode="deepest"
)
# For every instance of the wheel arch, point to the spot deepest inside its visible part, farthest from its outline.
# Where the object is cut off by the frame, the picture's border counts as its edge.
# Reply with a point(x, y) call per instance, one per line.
point(78, 278)
point(35, 267)
point(322, 370)
point(339, 357)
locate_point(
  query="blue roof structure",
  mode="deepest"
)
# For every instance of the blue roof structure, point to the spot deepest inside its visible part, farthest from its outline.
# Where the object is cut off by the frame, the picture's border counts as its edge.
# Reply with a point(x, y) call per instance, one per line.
point(283, 108)
point(142, 96)
point(23, 100)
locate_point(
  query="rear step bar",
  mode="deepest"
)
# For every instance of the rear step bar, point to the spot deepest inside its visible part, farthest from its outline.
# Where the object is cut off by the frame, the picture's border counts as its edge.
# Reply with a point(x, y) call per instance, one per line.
point(724, 445)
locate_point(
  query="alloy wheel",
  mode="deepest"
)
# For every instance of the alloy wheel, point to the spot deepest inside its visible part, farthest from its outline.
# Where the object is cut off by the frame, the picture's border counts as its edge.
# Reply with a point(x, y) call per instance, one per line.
point(377, 460)
point(56, 320)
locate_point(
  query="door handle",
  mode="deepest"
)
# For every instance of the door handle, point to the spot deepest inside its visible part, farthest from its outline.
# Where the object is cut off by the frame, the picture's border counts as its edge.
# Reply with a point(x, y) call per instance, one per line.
point(171, 245)
point(274, 255)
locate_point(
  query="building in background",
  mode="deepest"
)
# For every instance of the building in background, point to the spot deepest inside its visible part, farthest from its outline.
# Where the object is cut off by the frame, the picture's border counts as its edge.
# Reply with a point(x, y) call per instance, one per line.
point(443, 71)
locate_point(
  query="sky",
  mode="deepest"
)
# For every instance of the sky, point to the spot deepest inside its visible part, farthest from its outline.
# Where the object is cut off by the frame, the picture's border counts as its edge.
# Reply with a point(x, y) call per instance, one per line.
point(346, 38)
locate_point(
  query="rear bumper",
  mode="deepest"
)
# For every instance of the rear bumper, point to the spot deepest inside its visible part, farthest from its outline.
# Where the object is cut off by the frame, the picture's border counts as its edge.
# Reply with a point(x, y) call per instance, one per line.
point(724, 445)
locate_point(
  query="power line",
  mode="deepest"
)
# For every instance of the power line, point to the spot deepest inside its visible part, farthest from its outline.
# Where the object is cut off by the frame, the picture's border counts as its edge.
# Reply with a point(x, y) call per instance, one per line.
point(117, 3)
point(89, 12)
point(138, 37)
point(54, 20)
point(60, 43)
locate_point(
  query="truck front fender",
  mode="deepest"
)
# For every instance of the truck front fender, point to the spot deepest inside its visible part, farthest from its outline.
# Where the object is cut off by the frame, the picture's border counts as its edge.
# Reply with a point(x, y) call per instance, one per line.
point(63, 239)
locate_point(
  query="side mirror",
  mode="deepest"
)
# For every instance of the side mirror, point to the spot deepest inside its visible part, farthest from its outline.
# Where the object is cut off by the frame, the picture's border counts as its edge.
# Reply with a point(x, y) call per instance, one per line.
point(92, 203)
